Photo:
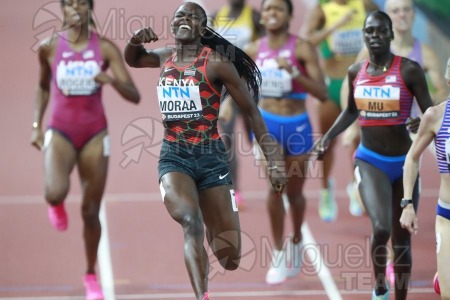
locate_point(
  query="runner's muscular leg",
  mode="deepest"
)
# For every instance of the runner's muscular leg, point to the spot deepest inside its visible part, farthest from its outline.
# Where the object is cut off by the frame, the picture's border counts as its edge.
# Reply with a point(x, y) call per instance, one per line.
point(182, 202)
point(59, 160)
point(443, 255)
point(221, 218)
point(93, 167)
point(376, 193)
point(277, 213)
point(297, 171)
point(274, 203)
point(401, 240)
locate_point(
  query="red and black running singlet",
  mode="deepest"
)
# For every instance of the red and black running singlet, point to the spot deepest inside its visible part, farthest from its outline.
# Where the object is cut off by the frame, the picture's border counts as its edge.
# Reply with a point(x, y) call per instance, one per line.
point(189, 104)
point(382, 100)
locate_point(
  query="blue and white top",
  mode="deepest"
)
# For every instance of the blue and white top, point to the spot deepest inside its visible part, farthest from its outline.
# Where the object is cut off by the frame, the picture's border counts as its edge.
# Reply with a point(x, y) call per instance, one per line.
point(442, 142)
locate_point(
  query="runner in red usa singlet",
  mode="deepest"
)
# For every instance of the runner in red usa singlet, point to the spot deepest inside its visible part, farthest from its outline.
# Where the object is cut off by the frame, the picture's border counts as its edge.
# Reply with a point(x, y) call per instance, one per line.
point(381, 93)
point(382, 100)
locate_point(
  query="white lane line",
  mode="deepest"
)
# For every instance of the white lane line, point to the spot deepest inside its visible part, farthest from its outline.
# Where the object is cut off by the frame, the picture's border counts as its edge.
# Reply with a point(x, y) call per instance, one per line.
point(322, 270)
point(237, 294)
point(315, 257)
point(104, 257)
point(259, 294)
point(152, 197)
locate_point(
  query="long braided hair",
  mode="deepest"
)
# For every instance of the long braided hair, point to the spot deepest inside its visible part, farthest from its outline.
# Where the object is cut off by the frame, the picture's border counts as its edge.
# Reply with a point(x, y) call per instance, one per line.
point(243, 63)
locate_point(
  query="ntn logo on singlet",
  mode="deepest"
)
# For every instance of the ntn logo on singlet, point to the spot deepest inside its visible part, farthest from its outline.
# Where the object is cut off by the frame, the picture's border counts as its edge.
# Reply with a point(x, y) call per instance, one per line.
point(347, 42)
point(386, 92)
point(89, 68)
point(286, 53)
point(179, 102)
point(77, 77)
point(377, 98)
point(275, 81)
point(176, 92)
point(268, 73)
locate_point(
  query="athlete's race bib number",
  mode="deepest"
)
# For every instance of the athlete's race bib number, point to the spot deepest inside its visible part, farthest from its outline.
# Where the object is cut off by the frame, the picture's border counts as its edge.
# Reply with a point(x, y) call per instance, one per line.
point(378, 102)
point(76, 78)
point(275, 82)
point(179, 103)
point(347, 42)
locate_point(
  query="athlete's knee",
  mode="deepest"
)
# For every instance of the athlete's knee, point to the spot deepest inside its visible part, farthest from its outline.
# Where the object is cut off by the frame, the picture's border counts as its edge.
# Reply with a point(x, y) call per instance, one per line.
point(190, 220)
point(90, 213)
point(55, 195)
point(402, 253)
point(181, 214)
point(381, 233)
point(295, 198)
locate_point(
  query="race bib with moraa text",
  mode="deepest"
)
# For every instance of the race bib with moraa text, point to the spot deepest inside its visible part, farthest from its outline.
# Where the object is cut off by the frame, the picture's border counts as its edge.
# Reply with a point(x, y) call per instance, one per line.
point(179, 103)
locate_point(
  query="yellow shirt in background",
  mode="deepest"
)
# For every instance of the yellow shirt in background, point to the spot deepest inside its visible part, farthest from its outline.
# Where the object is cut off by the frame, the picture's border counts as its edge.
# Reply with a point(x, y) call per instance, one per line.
point(240, 31)
point(347, 39)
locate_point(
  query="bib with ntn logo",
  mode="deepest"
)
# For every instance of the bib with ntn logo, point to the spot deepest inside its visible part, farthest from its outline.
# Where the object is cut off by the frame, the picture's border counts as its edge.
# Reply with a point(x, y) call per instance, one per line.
point(74, 70)
point(382, 100)
point(347, 42)
point(179, 102)
point(378, 102)
point(76, 77)
point(347, 39)
point(188, 103)
point(239, 31)
point(76, 99)
point(276, 82)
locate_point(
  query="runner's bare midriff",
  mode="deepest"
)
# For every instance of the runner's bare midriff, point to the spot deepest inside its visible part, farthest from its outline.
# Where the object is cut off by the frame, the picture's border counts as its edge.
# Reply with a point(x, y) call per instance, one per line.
point(283, 106)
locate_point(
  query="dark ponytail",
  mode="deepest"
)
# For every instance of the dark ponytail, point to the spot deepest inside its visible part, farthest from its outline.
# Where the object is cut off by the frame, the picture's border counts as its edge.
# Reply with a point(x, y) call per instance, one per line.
point(243, 63)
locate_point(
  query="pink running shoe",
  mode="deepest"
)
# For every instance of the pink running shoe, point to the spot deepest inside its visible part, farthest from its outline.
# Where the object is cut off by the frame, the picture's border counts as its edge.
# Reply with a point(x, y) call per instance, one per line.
point(205, 296)
point(390, 274)
point(58, 217)
point(93, 289)
point(436, 286)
